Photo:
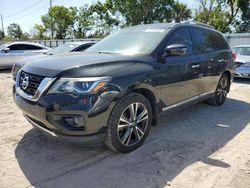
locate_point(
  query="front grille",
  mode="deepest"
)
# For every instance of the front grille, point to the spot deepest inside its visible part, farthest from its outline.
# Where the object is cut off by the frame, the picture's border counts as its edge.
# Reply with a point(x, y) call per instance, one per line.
point(29, 82)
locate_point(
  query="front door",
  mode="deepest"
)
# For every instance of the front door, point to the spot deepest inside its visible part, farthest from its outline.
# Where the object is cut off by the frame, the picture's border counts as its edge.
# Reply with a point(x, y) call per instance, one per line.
point(180, 75)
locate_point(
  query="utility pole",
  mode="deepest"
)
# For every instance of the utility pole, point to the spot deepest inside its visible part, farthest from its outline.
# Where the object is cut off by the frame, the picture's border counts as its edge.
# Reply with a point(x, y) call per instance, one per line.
point(2, 23)
point(51, 24)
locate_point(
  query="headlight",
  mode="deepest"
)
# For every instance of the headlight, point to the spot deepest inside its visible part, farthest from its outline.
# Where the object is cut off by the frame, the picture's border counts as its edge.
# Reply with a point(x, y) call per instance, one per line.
point(78, 85)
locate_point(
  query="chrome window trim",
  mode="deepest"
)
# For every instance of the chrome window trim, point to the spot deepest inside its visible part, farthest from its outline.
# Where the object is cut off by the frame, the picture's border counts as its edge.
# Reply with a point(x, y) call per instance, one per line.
point(44, 85)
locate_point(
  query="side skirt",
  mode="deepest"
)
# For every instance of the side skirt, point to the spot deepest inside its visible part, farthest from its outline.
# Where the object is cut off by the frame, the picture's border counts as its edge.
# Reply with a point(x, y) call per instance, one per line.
point(186, 103)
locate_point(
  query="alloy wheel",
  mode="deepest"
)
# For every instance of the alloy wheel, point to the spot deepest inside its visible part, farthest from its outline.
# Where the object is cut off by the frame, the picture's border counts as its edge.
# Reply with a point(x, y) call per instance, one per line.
point(132, 124)
point(222, 90)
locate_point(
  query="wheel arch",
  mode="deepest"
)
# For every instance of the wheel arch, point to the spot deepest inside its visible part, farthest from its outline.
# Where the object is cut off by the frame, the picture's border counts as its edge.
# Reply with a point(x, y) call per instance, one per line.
point(151, 98)
point(228, 74)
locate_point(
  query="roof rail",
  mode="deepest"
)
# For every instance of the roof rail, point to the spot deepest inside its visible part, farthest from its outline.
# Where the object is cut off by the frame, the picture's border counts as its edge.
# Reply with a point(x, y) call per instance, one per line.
point(199, 23)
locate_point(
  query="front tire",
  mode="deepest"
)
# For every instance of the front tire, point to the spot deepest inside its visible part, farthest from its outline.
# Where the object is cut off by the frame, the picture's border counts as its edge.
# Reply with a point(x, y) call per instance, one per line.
point(129, 123)
point(220, 94)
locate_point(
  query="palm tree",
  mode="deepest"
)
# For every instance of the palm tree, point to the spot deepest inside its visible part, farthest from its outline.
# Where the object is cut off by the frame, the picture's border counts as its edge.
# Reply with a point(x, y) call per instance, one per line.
point(181, 12)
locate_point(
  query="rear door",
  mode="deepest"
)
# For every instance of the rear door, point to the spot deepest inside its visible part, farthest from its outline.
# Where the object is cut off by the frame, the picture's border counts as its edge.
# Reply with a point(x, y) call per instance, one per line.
point(180, 75)
point(209, 48)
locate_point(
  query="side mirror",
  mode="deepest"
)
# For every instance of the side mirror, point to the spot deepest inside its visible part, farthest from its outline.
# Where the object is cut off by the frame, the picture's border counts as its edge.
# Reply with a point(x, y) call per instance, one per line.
point(6, 50)
point(176, 50)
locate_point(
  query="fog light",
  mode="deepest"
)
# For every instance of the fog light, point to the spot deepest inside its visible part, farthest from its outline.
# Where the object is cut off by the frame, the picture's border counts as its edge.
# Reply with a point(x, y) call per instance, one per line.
point(75, 121)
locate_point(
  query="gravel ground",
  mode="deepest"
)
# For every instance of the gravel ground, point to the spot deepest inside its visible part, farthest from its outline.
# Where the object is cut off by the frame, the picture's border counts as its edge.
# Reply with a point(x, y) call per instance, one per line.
point(202, 146)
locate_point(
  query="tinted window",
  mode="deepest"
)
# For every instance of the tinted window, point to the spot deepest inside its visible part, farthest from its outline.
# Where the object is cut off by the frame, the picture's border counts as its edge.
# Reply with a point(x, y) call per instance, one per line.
point(208, 41)
point(83, 47)
point(15, 47)
point(31, 47)
point(182, 36)
point(24, 47)
point(203, 41)
point(219, 41)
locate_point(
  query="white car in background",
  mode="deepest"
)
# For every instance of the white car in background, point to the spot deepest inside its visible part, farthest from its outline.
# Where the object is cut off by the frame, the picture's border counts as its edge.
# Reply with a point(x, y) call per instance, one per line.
point(242, 61)
point(11, 52)
point(63, 49)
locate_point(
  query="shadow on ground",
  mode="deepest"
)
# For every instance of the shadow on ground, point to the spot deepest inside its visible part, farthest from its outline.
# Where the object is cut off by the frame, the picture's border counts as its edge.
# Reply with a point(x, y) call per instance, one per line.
point(179, 140)
point(242, 80)
point(5, 71)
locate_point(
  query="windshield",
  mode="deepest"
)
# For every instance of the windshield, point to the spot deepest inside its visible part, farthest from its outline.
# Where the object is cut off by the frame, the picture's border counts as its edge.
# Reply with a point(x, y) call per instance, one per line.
point(65, 48)
point(131, 41)
point(242, 51)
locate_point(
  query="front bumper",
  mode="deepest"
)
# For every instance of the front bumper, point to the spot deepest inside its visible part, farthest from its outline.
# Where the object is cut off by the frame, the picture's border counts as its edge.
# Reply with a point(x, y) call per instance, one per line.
point(49, 112)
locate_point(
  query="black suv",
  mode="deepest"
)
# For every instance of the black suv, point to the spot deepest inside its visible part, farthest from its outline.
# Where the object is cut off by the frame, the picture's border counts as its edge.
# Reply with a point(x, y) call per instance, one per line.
point(120, 86)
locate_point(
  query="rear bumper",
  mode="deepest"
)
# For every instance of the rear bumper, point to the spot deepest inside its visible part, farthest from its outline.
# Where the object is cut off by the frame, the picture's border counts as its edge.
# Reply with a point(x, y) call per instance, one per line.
point(242, 73)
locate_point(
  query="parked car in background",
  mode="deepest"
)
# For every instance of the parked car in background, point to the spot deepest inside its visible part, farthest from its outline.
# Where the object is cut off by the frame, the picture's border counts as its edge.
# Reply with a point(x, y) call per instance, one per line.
point(62, 49)
point(120, 86)
point(11, 52)
point(242, 61)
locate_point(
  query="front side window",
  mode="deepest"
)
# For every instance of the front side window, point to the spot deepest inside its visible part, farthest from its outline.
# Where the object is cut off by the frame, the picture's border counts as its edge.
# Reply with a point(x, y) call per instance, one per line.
point(182, 36)
point(16, 47)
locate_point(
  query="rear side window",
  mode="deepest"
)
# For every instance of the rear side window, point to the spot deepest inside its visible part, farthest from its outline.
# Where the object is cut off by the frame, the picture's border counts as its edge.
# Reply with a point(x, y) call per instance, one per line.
point(182, 36)
point(208, 41)
point(31, 47)
point(219, 42)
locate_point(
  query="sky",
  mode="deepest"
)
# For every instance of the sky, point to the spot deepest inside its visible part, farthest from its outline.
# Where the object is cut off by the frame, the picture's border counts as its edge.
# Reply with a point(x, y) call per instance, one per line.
point(28, 12)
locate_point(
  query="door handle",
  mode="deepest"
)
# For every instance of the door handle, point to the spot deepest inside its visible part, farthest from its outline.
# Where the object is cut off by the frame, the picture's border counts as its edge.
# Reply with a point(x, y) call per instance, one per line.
point(195, 66)
point(221, 61)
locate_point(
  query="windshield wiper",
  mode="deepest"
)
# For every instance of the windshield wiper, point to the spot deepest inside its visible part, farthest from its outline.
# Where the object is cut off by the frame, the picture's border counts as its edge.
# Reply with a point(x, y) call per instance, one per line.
point(105, 53)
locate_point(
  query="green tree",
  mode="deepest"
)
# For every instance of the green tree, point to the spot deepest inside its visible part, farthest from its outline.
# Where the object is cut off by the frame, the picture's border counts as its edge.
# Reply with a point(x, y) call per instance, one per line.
point(142, 12)
point(181, 12)
point(221, 14)
point(25, 36)
point(39, 31)
point(58, 20)
point(243, 26)
point(83, 21)
point(1, 35)
point(105, 19)
point(14, 31)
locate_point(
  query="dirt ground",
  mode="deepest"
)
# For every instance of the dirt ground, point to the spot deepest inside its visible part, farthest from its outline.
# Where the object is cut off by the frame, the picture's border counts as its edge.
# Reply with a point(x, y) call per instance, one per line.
point(199, 147)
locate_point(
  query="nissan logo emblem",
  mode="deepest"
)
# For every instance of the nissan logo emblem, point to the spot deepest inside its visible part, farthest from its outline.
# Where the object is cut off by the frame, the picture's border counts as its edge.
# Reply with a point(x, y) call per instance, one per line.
point(25, 82)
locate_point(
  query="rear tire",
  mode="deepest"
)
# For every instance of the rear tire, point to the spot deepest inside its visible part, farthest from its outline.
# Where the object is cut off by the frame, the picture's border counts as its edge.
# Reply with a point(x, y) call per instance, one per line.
point(129, 123)
point(221, 91)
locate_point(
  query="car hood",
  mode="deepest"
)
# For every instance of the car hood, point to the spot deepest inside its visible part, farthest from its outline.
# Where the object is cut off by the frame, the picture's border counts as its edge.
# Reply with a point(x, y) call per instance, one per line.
point(242, 58)
point(54, 65)
point(29, 59)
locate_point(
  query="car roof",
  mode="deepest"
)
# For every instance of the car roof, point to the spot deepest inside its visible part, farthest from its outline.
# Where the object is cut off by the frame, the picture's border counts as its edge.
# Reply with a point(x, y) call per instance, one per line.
point(82, 42)
point(166, 26)
point(29, 43)
point(154, 26)
point(239, 46)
